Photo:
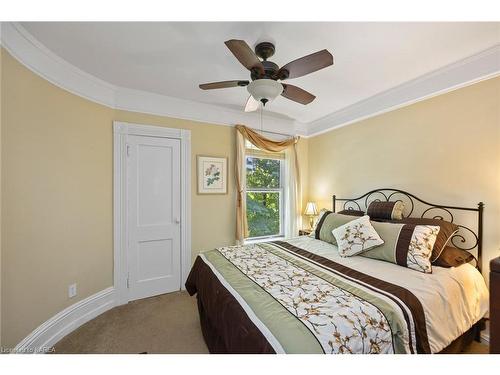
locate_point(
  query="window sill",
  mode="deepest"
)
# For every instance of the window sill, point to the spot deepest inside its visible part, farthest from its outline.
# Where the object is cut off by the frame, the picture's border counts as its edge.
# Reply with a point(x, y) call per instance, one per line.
point(266, 239)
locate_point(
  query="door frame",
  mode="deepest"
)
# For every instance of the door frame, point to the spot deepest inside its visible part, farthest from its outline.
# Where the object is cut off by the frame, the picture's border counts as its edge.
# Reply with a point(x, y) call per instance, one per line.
point(121, 131)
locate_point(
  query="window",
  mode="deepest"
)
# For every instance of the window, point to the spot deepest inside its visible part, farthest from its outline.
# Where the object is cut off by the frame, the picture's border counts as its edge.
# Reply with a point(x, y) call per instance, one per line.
point(264, 194)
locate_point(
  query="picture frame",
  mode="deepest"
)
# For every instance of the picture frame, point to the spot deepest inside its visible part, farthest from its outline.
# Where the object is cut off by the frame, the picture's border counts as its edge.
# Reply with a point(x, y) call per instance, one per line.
point(212, 174)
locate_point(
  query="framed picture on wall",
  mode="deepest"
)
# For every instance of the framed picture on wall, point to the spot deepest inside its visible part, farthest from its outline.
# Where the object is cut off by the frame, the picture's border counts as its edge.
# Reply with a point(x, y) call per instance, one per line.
point(212, 175)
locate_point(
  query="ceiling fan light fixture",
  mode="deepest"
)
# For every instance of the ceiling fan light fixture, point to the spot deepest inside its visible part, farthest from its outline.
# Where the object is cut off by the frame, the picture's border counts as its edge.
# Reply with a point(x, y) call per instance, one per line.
point(265, 90)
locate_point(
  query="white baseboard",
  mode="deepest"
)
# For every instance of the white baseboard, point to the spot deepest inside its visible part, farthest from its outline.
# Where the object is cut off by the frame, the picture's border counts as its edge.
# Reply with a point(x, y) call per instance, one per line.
point(485, 334)
point(485, 338)
point(43, 338)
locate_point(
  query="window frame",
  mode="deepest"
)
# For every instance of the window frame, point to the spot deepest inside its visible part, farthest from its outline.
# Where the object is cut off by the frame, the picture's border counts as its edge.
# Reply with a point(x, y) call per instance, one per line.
point(280, 190)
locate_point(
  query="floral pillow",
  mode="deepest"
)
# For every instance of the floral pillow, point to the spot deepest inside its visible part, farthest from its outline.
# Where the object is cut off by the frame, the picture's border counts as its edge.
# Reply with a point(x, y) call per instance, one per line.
point(356, 236)
point(420, 248)
point(407, 245)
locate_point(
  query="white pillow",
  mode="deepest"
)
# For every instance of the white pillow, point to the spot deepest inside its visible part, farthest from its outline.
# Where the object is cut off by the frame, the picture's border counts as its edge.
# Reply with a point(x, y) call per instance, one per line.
point(356, 237)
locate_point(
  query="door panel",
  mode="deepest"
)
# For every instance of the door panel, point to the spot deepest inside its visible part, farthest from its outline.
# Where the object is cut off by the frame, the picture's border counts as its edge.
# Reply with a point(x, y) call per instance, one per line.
point(156, 259)
point(153, 216)
point(154, 185)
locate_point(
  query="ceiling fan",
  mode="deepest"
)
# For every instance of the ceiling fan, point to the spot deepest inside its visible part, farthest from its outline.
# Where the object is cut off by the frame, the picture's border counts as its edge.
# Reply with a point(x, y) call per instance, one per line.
point(266, 74)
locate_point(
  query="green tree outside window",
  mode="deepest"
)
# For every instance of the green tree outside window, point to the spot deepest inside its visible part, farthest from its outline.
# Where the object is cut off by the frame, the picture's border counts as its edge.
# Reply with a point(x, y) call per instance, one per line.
point(263, 196)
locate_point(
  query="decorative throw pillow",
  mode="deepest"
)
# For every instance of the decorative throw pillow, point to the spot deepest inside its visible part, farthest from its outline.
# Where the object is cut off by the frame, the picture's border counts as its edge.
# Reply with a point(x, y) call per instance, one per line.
point(446, 232)
point(385, 210)
point(453, 257)
point(356, 237)
point(407, 245)
point(352, 212)
point(328, 223)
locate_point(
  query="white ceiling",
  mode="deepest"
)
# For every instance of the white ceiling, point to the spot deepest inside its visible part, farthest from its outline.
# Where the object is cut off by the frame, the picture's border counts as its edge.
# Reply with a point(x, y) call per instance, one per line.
point(173, 58)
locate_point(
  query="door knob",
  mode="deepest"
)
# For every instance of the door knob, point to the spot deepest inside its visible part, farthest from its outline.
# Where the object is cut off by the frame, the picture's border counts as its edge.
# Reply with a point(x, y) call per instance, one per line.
point(177, 220)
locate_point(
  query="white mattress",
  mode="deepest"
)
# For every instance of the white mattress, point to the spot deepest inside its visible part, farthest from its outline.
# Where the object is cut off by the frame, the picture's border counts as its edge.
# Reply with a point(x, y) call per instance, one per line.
point(453, 299)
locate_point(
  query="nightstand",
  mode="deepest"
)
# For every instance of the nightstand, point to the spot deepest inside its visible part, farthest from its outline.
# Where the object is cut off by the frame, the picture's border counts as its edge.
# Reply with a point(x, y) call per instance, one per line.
point(495, 306)
point(304, 232)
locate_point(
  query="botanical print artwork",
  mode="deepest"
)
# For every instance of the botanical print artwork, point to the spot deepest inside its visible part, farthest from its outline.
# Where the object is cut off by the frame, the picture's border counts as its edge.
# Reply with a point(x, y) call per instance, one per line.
point(420, 249)
point(356, 236)
point(212, 174)
point(341, 321)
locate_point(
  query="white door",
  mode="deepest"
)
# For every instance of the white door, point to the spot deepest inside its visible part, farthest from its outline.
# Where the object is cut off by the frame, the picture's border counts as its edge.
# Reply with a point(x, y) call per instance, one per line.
point(153, 224)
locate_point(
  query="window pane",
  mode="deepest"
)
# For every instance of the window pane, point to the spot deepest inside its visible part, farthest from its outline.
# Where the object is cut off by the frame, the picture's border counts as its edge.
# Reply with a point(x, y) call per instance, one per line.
point(263, 173)
point(263, 213)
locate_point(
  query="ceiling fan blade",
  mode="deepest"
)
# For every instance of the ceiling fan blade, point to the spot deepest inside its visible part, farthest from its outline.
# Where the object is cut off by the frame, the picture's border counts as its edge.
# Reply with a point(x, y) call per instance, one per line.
point(222, 85)
point(252, 104)
point(297, 94)
point(305, 65)
point(245, 55)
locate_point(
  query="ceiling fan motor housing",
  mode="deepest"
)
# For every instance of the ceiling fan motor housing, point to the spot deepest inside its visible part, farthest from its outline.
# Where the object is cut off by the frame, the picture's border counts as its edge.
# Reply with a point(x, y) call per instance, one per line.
point(270, 69)
point(265, 50)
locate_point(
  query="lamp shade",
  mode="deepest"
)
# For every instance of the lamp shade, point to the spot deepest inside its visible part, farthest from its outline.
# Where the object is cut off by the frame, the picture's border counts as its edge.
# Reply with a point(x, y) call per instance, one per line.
point(311, 209)
point(265, 89)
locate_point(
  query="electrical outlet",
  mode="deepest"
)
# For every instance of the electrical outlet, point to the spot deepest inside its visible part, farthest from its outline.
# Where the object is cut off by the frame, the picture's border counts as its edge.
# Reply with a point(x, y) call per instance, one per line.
point(72, 290)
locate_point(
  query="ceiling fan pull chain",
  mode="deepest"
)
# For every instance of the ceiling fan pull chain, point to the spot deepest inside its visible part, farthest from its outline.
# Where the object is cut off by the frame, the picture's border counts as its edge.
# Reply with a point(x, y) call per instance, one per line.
point(261, 122)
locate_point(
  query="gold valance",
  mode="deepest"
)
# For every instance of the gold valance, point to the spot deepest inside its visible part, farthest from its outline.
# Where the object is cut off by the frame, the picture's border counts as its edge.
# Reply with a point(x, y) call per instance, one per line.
point(264, 143)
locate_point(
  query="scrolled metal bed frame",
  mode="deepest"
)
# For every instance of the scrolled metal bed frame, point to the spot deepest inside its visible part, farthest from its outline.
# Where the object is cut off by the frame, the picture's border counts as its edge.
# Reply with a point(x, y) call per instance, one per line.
point(465, 239)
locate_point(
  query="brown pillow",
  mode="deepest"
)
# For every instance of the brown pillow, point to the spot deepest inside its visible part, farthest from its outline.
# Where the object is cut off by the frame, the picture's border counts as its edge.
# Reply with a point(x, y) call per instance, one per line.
point(352, 212)
point(453, 257)
point(385, 210)
point(447, 231)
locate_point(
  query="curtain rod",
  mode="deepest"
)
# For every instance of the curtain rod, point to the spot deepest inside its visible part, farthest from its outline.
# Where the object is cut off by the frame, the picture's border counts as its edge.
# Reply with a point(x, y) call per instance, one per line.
point(270, 132)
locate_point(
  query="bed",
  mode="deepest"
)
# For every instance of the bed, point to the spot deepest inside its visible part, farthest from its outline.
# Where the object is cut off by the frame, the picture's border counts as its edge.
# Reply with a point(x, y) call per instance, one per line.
point(300, 296)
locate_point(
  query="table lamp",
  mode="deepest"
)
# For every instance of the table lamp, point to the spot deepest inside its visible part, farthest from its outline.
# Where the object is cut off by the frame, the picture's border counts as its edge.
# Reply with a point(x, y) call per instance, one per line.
point(311, 211)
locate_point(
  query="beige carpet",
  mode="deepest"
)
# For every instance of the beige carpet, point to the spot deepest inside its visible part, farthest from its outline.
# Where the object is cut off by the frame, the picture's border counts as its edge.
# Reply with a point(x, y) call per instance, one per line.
point(164, 324)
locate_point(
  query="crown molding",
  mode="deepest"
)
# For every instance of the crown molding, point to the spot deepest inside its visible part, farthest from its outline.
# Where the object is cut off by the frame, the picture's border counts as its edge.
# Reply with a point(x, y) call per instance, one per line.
point(161, 105)
point(35, 56)
point(468, 71)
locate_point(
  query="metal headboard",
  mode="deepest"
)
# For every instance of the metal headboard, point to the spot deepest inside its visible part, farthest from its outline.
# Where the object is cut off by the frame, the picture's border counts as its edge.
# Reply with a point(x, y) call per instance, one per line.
point(465, 239)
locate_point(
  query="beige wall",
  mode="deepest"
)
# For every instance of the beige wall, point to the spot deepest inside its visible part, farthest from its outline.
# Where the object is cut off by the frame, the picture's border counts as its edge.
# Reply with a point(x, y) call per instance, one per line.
point(56, 199)
point(445, 150)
